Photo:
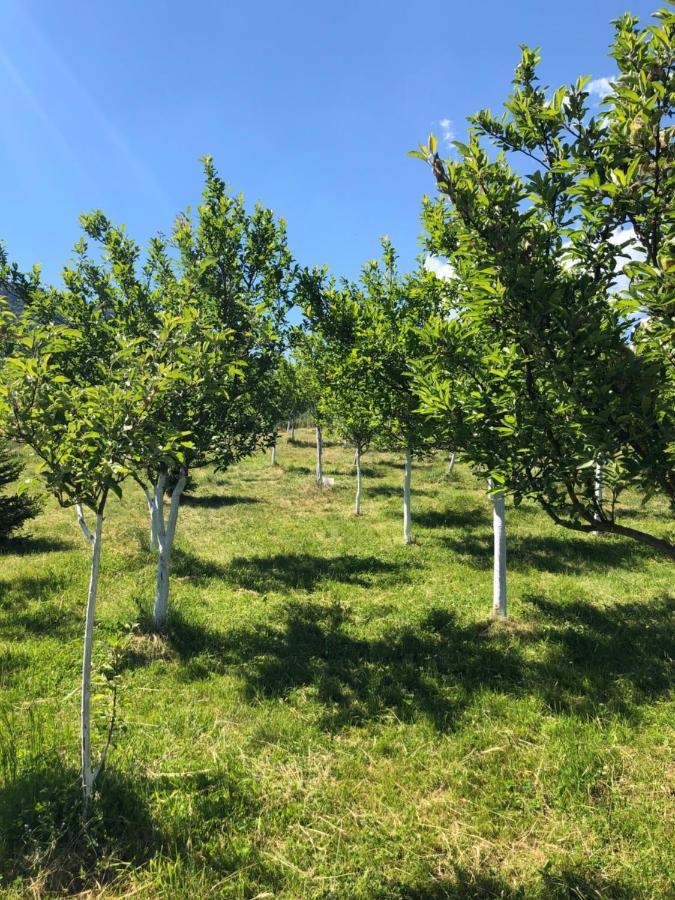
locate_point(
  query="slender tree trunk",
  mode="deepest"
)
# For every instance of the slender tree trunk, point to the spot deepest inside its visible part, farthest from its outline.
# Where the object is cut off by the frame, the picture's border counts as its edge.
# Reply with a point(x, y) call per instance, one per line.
point(165, 536)
point(598, 490)
point(357, 459)
point(599, 487)
point(451, 463)
point(407, 516)
point(274, 454)
point(293, 431)
point(499, 561)
point(288, 427)
point(88, 771)
point(319, 455)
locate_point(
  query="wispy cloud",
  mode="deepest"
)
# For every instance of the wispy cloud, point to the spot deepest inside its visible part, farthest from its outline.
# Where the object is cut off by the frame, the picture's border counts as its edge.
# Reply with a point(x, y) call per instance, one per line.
point(447, 131)
point(600, 87)
point(439, 267)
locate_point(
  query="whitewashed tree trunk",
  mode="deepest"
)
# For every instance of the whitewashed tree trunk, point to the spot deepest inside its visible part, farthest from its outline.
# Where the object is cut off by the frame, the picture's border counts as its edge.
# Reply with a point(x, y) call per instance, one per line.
point(319, 455)
point(599, 484)
point(499, 562)
point(292, 432)
point(407, 516)
point(357, 462)
point(88, 772)
point(599, 490)
point(288, 427)
point(451, 463)
point(165, 537)
point(274, 454)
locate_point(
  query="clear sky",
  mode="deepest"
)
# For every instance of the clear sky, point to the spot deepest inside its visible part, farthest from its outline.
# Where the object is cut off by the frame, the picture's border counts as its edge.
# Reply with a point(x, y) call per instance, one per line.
point(307, 106)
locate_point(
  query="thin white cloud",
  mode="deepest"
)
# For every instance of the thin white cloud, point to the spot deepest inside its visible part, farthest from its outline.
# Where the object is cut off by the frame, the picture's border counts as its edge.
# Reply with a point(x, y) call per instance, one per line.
point(600, 87)
point(447, 131)
point(441, 269)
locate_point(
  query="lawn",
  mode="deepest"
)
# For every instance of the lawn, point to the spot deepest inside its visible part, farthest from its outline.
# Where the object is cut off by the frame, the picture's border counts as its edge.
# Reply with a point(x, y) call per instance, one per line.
point(333, 714)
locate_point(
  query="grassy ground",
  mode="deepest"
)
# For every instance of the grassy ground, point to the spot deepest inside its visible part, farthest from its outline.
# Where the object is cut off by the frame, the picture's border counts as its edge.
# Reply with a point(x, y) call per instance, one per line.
point(332, 714)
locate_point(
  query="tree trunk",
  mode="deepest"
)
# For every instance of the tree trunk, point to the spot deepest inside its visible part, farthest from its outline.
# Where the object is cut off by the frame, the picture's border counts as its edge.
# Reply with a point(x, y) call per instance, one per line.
point(499, 562)
point(319, 455)
point(165, 536)
point(292, 432)
point(357, 460)
point(88, 772)
point(451, 463)
point(407, 517)
point(598, 491)
point(599, 485)
point(274, 454)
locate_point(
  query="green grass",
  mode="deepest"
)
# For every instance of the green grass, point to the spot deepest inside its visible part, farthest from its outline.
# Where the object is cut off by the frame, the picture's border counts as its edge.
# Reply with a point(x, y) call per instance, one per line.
point(333, 714)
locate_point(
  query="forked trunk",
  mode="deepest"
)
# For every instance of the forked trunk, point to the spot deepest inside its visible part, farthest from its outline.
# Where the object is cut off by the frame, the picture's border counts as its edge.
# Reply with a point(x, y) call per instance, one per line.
point(319, 455)
point(499, 562)
point(407, 516)
point(166, 532)
point(357, 462)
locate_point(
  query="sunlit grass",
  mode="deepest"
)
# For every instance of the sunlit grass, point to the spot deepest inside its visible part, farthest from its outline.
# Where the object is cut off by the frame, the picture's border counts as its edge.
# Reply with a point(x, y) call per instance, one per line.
point(333, 714)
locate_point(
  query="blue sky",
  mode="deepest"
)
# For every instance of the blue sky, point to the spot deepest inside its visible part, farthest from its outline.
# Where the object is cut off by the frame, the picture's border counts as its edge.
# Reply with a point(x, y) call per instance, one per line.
point(307, 106)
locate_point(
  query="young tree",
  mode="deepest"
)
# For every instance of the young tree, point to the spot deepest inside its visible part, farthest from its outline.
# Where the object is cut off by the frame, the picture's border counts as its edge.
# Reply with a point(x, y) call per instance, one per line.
point(335, 315)
point(82, 431)
point(310, 362)
point(395, 309)
point(222, 286)
point(542, 363)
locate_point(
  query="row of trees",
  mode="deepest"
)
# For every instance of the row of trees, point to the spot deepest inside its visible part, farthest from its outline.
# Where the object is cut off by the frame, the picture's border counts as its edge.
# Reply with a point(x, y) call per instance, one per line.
point(528, 359)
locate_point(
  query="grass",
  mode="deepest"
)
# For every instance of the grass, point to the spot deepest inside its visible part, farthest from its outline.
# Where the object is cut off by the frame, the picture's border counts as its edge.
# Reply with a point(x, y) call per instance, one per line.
point(332, 714)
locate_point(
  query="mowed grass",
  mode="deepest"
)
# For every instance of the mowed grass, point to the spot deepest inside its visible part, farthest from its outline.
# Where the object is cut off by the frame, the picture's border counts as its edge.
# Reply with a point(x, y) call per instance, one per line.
point(334, 715)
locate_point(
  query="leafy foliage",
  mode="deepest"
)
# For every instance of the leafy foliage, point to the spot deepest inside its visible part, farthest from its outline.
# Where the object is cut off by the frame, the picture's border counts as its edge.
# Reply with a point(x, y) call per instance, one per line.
point(541, 363)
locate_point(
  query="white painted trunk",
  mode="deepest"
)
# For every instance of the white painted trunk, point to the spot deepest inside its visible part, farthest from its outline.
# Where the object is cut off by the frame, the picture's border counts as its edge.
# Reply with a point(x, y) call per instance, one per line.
point(292, 432)
point(357, 461)
point(599, 486)
point(274, 454)
point(319, 455)
point(407, 516)
point(165, 536)
point(499, 562)
point(451, 462)
point(598, 490)
point(88, 772)
point(288, 427)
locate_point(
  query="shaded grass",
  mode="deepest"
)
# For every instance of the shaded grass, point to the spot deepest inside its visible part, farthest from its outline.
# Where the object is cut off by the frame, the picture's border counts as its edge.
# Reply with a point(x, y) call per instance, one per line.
point(332, 714)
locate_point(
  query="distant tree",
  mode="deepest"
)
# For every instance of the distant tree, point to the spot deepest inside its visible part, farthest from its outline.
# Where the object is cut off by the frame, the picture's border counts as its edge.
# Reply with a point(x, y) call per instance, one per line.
point(15, 508)
point(335, 315)
point(311, 380)
point(396, 309)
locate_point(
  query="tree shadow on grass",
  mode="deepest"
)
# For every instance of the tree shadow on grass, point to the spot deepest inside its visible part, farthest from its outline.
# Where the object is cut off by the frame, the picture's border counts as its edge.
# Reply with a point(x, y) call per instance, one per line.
point(396, 490)
point(30, 608)
point(574, 658)
point(41, 831)
point(617, 657)
point(307, 572)
point(428, 671)
point(216, 501)
point(42, 836)
point(467, 884)
point(470, 517)
point(569, 555)
point(26, 544)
